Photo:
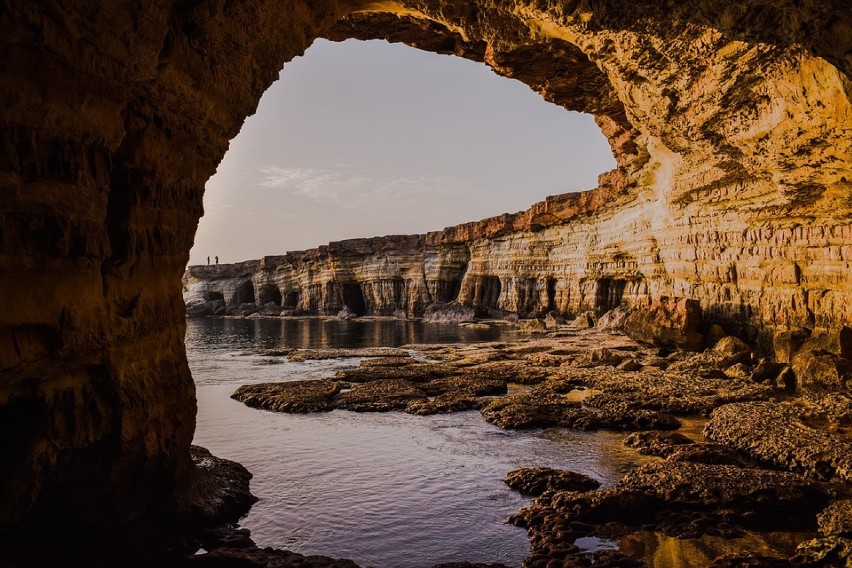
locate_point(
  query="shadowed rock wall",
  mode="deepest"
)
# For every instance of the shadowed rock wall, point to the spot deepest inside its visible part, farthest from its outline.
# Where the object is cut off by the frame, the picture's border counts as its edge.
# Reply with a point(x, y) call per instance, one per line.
point(729, 122)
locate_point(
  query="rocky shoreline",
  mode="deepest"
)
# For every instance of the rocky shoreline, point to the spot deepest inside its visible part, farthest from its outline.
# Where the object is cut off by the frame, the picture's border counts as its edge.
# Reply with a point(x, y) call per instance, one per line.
point(775, 457)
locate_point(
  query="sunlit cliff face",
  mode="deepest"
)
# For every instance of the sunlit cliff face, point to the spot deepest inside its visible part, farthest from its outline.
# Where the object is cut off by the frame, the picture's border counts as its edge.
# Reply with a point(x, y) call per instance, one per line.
point(730, 124)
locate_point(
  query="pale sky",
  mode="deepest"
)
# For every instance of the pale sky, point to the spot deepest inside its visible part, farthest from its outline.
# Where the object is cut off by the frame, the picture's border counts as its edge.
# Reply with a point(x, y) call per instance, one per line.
point(361, 139)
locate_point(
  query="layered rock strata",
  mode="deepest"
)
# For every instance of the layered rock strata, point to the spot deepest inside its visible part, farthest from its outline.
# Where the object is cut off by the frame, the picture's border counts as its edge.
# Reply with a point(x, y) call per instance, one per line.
point(729, 123)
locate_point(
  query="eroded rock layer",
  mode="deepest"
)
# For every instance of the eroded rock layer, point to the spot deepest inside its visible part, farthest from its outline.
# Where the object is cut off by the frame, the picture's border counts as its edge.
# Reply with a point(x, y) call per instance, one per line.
point(730, 124)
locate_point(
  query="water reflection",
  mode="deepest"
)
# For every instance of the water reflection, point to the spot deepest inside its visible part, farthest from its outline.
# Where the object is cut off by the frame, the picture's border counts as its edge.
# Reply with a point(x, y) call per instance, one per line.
point(331, 333)
point(382, 489)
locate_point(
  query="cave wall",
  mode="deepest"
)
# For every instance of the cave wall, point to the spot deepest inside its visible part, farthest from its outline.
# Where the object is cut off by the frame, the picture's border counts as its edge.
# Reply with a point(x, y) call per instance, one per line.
point(730, 124)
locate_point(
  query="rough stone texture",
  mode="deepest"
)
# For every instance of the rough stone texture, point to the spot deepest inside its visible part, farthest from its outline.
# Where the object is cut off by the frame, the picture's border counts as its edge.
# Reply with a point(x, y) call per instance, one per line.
point(536, 480)
point(784, 436)
point(729, 123)
point(670, 323)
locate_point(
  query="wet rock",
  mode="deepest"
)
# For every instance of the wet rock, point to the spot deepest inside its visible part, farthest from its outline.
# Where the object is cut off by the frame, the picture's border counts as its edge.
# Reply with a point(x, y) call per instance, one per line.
point(656, 443)
point(536, 480)
point(292, 396)
point(713, 454)
point(527, 411)
point(670, 323)
point(450, 312)
point(678, 393)
point(785, 380)
point(400, 361)
point(836, 519)
point(380, 396)
point(218, 491)
point(319, 354)
point(680, 499)
point(415, 372)
point(254, 557)
point(443, 404)
point(468, 565)
point(780, 435)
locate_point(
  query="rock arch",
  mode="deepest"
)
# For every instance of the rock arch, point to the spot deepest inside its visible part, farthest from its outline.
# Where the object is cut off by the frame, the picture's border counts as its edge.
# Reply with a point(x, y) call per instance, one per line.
point(730, 124)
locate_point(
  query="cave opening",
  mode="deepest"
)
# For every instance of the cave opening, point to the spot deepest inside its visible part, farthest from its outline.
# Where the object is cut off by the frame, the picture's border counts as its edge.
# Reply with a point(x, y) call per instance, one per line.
point(244, 293)
point(214, 296)
point(291, 299)
point(448, 290)
point(269, 293)
point(487, 294)
point(608, 294)
point(353, 297)
point(551, 294)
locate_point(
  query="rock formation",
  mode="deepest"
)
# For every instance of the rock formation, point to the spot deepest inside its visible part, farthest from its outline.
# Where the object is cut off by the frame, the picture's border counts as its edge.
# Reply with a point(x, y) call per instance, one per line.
point(730, 124)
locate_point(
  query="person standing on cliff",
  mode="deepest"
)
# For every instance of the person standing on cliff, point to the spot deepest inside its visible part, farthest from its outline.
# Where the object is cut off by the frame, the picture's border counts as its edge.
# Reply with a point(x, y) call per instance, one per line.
point(217, 261)
point(208, 261)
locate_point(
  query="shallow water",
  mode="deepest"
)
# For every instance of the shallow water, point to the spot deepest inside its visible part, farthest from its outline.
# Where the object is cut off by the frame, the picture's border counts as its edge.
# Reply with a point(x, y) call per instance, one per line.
point(386, 489)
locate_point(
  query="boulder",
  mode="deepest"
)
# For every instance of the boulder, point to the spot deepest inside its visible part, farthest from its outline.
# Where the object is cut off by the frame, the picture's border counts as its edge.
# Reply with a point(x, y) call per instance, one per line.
point(346, 313)
point(532, 325)
point(731, 345)
point(450, 312)
point(584, 320)
point(669, 323)
point(534, 481)
point(787, 343)
point(714, 334)
point(614, 319)
point(552, 321)
point(819, 371)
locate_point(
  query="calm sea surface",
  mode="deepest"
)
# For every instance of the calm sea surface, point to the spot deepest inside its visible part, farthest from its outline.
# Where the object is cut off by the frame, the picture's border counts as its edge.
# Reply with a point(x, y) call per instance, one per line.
point(384, 490)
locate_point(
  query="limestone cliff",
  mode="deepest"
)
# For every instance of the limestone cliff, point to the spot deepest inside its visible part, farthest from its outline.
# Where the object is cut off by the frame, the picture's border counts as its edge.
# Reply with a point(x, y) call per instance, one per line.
point(730, 123)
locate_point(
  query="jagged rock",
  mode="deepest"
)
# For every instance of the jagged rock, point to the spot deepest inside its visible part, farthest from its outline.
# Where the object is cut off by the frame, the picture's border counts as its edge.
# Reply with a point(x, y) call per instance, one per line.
point(680, 499)
point(552, 321)
point(218, 492)
point(787, 343)
point(585, 320)
point(448, 313)
point(534, 481)
point(656, 443)
point(614, 319)
point(385, 353)
point(829, 551)
point(836, 519)
point(820, 372)
point(291, 396)
point(532, 325)
point(669, 323)
point(713, 454)
point(780, 435)
point(731, 346)
point(347, 313)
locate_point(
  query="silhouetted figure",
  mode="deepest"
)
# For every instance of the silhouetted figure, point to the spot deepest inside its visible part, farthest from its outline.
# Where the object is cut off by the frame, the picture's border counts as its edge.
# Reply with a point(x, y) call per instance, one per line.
point(217, 261)
point(208, 261)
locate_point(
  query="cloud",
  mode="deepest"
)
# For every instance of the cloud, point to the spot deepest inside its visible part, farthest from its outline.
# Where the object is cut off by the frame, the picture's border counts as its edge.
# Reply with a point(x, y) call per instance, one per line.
point(342, 186)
